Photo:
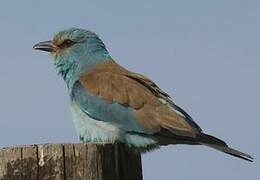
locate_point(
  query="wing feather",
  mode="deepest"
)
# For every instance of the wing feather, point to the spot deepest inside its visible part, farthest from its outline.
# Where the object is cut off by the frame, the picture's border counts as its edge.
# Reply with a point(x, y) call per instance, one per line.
point(116, 84)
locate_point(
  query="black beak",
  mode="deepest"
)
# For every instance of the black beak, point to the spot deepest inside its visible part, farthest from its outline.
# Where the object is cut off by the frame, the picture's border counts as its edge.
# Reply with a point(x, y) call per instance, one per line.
point(46, 46)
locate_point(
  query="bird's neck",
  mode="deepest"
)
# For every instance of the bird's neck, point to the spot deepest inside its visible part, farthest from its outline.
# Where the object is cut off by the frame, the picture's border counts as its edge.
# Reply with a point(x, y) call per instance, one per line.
point(70, 68)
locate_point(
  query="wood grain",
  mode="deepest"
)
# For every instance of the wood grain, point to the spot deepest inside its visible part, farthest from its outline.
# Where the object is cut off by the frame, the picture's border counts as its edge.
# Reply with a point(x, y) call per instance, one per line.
point(70, 162)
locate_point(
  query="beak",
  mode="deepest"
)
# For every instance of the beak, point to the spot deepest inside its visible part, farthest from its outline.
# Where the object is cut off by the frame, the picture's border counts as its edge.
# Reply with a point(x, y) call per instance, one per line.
point(46, 46)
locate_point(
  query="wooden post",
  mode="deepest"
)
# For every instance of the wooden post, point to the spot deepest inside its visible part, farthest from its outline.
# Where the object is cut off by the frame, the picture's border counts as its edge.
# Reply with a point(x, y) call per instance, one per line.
point(70, 162)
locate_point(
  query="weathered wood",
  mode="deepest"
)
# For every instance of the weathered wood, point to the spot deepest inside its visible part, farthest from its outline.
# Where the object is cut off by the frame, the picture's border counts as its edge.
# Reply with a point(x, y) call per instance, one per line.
point(29, 161)
point(51, 163)
point(70, 162)
point(10, 163)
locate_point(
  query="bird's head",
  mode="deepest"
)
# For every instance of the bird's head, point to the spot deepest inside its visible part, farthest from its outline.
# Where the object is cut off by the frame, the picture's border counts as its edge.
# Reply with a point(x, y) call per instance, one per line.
point(75, 50)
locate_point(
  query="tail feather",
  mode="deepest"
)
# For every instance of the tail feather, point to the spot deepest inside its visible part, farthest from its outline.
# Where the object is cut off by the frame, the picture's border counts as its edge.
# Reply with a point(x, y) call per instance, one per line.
point(220, 145)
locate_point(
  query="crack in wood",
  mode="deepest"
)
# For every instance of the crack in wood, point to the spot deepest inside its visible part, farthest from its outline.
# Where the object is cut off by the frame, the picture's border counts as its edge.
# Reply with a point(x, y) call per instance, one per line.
point(70, 162)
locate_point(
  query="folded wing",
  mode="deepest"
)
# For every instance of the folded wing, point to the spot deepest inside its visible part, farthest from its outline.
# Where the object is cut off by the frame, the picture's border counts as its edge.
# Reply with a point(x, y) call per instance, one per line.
point(110, 93)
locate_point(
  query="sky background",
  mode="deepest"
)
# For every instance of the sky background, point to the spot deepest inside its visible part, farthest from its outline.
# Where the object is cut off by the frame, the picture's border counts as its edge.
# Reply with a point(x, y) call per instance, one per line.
point(205, 54)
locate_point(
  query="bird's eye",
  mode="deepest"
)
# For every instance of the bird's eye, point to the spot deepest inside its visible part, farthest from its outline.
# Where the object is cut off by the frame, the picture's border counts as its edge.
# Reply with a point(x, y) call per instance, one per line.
point(66, 43)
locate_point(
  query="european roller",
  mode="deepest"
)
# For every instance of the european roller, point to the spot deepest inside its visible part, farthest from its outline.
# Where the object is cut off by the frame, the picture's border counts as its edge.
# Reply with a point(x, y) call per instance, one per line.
point(111, 104)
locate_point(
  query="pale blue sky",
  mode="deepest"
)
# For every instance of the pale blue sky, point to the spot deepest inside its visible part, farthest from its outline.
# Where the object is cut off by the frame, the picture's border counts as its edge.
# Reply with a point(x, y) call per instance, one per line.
point(206, 54)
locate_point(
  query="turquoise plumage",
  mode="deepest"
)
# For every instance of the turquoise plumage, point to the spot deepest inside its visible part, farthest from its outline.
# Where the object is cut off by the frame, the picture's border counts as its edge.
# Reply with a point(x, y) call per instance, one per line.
point(113, 105)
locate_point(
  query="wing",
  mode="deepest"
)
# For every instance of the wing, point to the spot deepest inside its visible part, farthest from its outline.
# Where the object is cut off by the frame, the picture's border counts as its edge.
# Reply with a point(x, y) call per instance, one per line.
point(131, 101)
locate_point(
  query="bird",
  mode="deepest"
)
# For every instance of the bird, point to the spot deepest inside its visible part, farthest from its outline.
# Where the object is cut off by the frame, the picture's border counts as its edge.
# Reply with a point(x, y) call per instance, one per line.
point(111, 104)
